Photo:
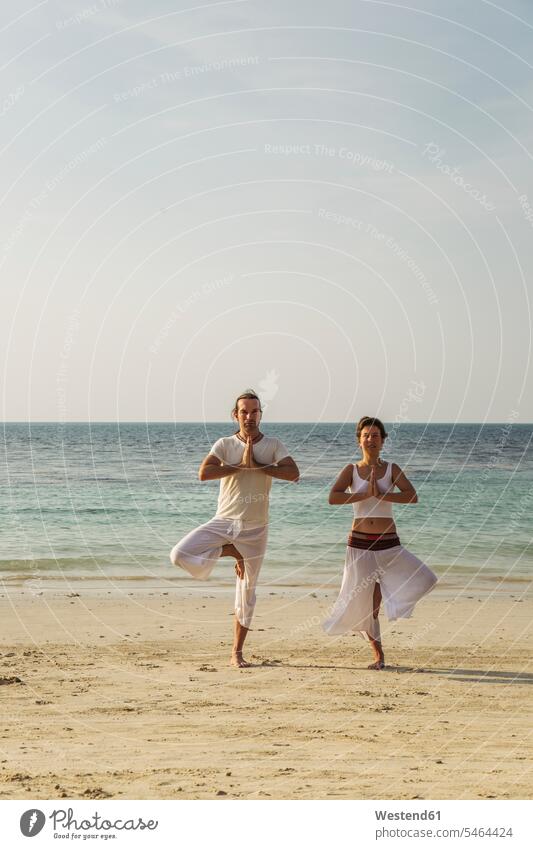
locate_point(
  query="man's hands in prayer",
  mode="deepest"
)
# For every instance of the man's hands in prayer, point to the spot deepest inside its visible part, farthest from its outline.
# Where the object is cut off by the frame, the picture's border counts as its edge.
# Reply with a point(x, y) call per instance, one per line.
point(286, 470)
point(248, 461)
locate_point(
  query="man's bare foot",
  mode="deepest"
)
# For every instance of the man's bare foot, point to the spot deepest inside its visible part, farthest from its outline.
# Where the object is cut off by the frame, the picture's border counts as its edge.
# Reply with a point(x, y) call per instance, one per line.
point(239, 569)
point(379, 664)
point(238, 660)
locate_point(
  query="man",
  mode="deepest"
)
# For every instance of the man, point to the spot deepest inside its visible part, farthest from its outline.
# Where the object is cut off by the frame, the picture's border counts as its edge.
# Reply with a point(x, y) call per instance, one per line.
point(245, 463)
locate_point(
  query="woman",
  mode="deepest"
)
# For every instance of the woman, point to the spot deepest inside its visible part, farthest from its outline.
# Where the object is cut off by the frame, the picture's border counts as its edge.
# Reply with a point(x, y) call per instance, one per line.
point(377, 565)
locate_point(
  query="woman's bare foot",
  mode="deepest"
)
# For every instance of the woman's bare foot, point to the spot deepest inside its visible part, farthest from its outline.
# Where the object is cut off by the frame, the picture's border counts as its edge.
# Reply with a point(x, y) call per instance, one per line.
point(379, 657)
point(375, 641)
point(379, 662)
point(238, 660)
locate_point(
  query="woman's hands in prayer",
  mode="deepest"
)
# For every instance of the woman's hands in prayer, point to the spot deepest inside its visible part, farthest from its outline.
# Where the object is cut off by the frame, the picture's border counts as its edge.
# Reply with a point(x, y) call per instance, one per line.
point(373, 490)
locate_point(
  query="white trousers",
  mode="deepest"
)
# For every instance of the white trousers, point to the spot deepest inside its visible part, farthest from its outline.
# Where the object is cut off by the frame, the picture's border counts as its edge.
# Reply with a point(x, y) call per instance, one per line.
point(198, 552)
point(403, 579)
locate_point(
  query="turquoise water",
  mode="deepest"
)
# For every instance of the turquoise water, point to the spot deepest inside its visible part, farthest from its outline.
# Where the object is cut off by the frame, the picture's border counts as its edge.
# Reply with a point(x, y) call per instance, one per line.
point(110, 500)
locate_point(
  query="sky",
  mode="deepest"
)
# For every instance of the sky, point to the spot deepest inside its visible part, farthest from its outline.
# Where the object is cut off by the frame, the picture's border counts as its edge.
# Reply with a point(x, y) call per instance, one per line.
point(329, 203)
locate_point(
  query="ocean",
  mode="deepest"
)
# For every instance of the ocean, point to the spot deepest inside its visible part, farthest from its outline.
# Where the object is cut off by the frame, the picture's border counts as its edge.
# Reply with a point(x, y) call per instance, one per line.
point(109, 500)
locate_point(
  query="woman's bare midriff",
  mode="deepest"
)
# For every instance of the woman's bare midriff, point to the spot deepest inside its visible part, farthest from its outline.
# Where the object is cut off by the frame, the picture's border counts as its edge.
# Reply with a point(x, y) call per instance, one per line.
point(374, 526)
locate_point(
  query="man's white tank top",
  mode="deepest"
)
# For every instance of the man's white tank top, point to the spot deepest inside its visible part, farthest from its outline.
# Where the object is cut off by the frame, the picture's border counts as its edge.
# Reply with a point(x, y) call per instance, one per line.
point(372, 508)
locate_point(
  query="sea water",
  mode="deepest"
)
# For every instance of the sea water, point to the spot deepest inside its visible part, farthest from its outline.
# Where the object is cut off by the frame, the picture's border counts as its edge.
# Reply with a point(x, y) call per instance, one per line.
point(109, 500)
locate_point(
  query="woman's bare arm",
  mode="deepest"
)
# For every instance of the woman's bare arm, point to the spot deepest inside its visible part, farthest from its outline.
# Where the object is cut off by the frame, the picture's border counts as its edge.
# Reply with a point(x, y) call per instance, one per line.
point(407, 494)
point(338, 494)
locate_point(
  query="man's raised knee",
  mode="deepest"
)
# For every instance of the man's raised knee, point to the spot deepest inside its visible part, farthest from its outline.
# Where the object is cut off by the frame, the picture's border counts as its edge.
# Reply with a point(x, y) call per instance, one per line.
point(175, 555)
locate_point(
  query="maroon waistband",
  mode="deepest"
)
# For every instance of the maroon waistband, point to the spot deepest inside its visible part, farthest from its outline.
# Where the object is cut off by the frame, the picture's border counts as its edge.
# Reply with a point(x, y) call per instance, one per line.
point(373, 542)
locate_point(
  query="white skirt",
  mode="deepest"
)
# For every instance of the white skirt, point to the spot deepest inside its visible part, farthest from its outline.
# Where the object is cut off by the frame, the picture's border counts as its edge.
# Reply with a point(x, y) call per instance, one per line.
point(403, 579)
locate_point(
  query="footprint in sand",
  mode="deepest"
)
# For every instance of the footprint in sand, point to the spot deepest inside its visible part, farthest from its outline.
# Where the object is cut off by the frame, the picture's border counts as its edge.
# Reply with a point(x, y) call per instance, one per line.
point(95, 793)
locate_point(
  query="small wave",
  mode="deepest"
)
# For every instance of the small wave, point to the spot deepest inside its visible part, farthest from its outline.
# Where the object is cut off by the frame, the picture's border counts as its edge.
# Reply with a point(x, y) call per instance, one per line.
point(49, 563)
point(62, 511)
point(72, 565)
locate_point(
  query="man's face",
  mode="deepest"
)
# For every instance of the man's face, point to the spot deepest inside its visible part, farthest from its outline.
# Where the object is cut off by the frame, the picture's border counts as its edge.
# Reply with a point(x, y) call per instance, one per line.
point(248, 414)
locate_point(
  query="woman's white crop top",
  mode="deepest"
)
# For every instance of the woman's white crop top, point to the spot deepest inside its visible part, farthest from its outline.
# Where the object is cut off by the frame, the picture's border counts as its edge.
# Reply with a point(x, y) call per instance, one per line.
point(372, 508)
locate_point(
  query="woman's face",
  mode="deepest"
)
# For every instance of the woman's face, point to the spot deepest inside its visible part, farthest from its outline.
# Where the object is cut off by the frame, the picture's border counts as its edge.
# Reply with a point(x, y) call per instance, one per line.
point(371, 440)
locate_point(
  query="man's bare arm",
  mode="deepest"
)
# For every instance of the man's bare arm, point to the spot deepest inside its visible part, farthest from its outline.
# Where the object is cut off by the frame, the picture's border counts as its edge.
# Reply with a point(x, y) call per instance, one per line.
point(285, 470)
point(211, 469)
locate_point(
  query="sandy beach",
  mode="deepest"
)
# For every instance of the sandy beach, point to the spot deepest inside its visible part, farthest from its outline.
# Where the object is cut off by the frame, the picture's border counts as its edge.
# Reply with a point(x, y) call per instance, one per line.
point(112, 694)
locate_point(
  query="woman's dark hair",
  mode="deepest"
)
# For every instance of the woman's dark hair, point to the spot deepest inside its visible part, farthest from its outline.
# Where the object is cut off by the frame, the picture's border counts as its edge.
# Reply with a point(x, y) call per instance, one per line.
point(368, 421)
point(248, 394)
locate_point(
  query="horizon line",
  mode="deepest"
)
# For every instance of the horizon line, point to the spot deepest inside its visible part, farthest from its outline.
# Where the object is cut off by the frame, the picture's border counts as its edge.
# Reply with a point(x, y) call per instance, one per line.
point(225, 422)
